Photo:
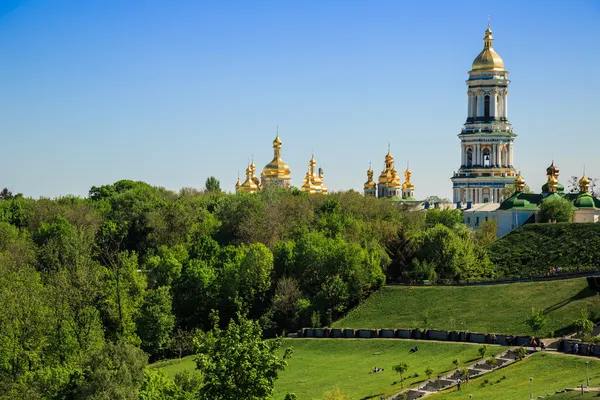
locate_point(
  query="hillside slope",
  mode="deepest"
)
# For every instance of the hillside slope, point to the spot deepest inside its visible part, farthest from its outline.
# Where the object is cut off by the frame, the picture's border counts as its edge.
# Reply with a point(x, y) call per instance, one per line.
point(536, 248)
point(490, 308)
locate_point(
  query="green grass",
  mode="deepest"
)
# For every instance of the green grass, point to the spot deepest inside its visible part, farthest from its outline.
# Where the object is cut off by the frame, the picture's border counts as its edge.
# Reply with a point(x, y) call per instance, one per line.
point(490, 308)
point(318, 365)
point(174, 366)
point(550, 372)
point(533, 249)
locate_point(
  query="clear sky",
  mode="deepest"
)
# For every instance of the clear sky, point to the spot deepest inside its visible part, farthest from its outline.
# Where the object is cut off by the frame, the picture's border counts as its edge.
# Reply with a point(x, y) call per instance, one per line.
point(173, 91)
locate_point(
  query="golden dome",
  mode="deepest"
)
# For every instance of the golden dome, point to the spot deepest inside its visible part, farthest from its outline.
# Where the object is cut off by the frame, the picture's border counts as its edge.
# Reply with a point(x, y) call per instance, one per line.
point(488, 59)
point(238, 184)
point(277, 167)
point(407, 183)
point(519, 180)
point(584, 184)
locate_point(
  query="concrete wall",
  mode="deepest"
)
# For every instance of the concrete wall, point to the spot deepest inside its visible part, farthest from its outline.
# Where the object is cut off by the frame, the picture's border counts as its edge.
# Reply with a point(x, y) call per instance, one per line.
point(336, 333)
point(433, 334)
point(477, 338)
point(386, 333)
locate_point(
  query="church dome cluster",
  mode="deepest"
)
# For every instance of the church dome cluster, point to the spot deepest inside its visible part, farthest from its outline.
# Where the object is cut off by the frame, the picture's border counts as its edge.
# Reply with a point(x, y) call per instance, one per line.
point(389, 182)
point(277, 174)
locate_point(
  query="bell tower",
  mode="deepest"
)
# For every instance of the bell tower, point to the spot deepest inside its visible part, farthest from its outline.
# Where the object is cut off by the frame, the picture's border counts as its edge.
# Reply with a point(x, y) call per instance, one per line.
point(487, 138)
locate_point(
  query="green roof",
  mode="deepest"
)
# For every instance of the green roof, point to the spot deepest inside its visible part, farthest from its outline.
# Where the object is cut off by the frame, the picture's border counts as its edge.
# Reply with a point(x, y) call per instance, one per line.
point(522, 201)
point(531, 201)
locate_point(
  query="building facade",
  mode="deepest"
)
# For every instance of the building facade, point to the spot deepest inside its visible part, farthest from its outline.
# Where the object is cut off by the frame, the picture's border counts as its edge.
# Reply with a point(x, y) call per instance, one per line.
point(487, 137)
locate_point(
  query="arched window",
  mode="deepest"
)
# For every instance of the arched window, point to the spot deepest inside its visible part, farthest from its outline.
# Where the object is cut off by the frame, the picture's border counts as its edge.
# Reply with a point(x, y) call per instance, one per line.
point(486, 108)
point(469, 157)
point(486, 157)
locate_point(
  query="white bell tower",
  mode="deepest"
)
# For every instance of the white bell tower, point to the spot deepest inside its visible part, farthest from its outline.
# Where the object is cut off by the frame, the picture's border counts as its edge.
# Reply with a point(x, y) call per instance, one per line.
point(487, 138)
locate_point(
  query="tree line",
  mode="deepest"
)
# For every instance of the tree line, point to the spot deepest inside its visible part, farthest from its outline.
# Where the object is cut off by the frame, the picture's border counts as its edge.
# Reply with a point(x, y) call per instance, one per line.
point(91, 289)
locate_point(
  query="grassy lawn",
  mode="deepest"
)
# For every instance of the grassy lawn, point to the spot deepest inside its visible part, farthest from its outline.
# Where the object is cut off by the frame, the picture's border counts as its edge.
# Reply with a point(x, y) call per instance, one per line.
point(550, 373)
point(318, 365)
point(174, 366)
point(492, 308)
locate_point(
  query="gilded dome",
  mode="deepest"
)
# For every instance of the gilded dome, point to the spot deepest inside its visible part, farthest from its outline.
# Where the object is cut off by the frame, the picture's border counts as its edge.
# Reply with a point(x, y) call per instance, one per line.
point(488, 59)
point(584, 184)
point(277, 167)
point(552, 170)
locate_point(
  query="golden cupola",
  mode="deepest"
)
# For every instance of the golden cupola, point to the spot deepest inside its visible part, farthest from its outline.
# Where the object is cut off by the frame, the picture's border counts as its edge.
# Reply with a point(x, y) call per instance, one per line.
point(584, 184)
point(313, 182)
point(407, 183)
point(488, 59)
point(249, 185)
point(519, 183)
point(277, 172)
point(369, 184)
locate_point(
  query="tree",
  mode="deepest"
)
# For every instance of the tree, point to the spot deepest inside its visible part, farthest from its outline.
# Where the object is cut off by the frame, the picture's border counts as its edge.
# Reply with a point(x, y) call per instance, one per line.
point(486, 233)
point(482, 351)
point(6, 194)
point(236, 363)
point(115, 372)
point(156, 321)
point(556, 209)
point(212, 184)
point(428, 372)
point(455, 362)
point(583, 324)
point(401, 369)
point(450, 218)
point(537, 320)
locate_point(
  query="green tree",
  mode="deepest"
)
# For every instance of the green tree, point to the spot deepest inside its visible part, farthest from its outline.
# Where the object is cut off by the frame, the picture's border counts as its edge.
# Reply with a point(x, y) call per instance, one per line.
point(556, 209)
point(156, 321)
point(428, 372)
point(125, 295)
point(448, 217)
point(486, 233)
point(537, 320)
point(115, 372)
point(212, 184)
point(401, 369)
point(483, 351)
point(237, 364)
point(455, 362)
point(583, 324)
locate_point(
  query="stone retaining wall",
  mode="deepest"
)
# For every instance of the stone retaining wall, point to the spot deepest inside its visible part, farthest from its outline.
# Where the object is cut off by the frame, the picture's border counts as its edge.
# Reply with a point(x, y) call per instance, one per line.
point(426, 334)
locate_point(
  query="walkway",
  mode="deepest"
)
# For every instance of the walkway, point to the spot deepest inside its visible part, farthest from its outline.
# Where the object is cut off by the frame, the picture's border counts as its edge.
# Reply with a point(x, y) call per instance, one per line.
point(450, 380)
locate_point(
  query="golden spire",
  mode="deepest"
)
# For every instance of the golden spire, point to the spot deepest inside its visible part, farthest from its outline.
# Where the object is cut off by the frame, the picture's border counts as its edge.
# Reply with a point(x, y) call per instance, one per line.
point(488, 59)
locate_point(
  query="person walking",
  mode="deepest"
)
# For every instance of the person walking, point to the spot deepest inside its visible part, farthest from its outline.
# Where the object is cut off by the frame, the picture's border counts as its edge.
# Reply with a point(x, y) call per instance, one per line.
point(458, 382)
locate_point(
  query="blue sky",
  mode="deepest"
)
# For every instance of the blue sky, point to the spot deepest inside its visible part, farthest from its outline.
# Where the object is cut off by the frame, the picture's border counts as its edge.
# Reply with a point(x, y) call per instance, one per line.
point(173, 91)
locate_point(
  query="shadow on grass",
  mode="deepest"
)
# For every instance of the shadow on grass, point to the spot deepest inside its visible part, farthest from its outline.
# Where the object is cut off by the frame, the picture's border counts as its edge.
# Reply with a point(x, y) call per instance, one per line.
point(584, 293)
point(372, 396)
